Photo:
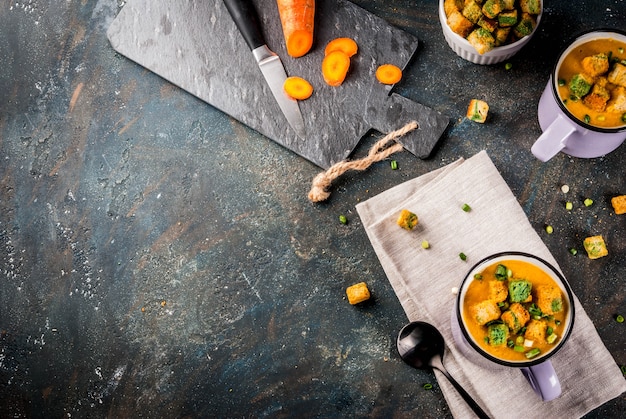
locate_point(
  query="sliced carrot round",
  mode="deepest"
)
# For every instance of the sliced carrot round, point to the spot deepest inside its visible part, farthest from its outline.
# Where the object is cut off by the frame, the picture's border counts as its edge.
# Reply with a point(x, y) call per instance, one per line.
point(346, 45)
point(335, 67)
point(298, 88)
point(388, 74)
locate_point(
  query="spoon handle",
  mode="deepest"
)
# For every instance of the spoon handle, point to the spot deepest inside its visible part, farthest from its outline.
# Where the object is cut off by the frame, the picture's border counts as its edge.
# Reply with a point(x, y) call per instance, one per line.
point(436, 363)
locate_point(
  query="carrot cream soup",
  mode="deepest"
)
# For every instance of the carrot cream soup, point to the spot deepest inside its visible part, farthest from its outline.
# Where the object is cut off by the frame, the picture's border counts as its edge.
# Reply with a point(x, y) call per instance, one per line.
point(515, 311)
point(592, 83)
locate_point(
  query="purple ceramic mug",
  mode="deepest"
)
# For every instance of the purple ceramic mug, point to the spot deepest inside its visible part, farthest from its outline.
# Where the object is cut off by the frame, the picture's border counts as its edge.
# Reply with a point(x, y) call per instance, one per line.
point(562, 131)
point(538, 370)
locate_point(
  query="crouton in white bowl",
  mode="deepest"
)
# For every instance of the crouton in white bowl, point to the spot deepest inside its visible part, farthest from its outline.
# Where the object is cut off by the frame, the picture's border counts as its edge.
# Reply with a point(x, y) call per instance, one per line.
point(489, 31)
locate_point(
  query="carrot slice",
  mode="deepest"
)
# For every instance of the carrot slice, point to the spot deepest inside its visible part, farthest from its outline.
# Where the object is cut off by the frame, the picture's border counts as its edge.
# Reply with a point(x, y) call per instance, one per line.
point(346, 45)
point(335, 67)
point(388, 74)
point(298, 88)
point(297, 18)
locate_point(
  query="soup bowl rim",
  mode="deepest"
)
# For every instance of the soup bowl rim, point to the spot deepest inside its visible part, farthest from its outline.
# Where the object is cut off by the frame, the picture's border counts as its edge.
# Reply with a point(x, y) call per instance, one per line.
point(515, 255)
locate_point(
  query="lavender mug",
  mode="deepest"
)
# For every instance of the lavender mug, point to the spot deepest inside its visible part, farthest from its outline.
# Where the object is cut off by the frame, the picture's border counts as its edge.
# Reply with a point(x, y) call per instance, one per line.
point(564, 132)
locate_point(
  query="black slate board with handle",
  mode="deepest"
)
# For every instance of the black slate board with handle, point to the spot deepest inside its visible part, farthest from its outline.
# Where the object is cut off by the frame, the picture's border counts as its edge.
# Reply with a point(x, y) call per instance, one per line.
point(195, 45)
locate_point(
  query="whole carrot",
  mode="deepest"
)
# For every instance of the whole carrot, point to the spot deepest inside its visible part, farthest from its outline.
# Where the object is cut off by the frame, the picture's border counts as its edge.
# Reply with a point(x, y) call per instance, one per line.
point(297, 18)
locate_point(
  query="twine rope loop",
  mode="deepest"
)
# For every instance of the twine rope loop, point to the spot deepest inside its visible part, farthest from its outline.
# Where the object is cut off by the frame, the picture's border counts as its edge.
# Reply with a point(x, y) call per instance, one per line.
point(382, 149)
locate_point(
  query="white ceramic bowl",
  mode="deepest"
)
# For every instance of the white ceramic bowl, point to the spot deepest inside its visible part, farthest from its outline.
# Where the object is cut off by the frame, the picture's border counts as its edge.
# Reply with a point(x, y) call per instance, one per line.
point(466, 51)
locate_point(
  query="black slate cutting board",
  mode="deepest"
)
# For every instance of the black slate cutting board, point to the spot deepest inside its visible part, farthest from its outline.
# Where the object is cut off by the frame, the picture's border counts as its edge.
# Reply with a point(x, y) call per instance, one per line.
point(195, 45)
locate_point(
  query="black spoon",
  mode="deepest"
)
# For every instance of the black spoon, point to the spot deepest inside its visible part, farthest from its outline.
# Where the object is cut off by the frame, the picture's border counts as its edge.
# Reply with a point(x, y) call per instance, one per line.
point(421, 346)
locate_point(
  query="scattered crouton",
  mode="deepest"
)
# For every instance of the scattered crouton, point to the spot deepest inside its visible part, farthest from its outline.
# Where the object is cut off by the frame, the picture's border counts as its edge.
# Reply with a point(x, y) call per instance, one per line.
point(482, 40)
point(407, 219)
point(358, 293)
point(595, 247)
point(619, 204)
point(594, 65)
point(478, 110)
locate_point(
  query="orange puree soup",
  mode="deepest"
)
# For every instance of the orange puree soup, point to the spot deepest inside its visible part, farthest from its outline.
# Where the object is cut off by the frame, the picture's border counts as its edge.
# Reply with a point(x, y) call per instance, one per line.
point(586, 108)
point(539, 334)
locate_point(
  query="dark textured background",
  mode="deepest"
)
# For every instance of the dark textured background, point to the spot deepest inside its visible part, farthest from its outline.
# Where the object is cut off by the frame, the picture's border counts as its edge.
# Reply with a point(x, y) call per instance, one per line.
point(159, 259)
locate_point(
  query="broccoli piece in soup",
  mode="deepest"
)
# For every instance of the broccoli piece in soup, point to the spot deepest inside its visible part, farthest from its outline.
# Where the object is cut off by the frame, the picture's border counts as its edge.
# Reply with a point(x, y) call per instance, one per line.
point(498, 334)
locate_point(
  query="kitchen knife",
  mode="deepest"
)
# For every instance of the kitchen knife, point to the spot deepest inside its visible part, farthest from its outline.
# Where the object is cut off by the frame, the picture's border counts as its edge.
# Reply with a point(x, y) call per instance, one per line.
point(247, 20)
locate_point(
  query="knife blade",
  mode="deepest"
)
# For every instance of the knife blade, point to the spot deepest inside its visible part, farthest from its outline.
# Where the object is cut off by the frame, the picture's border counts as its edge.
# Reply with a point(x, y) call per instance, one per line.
point(247, 20)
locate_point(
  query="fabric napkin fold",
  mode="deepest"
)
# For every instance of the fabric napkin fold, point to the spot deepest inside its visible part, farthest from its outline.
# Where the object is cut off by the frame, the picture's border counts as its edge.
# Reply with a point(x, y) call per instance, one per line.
point(423, 280)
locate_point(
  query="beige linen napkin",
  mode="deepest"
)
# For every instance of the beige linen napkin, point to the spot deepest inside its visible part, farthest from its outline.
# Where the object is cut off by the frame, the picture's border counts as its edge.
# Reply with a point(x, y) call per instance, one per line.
point(423, 279)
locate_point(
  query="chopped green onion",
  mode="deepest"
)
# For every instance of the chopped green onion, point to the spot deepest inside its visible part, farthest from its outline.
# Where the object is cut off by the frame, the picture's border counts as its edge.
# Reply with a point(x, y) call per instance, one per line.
point(394, 165)
point(588, 202)
point(619, 318)
point(623, 368)
point(552, 338)
point(624, 117)
point(425, 244)
point(463, 256)
point(533, 353)
point(466, 208)
point(573, 251)
point(562, 82)
point(508, 66)
point(510, 343)
point(587, 119)
point(343, 219)
point(478, 276)
point(427, 386)
point(549, 330)
point(557, 322)
point(518, 348)
point(501, 272)
point(569, 206)
point(549, 229)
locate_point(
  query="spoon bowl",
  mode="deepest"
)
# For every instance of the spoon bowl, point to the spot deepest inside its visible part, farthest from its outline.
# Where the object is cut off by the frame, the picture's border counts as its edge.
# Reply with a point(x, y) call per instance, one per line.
point(422, 346)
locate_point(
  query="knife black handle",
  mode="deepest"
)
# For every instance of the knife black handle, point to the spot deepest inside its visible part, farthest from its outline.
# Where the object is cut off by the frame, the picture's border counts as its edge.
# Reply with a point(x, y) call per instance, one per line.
point(247, 20)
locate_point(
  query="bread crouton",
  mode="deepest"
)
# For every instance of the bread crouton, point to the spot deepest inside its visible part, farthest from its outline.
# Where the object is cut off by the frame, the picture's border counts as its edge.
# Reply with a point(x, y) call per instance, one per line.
point(485, 311)
point(536, 331)
point(618, 101)
point(450, 6)
point(618, 75)
point(525, 26)
point(459, 24)
point(549, 299)
point(498, 334)
point(492, 8)
point(598, 98)
point(515, 317)
point(580, 85)
point(358, 293)
point(508, 4)
point(594, 65)
point(482, 40)
point(477, 110)
point(472, 11)
point(508, 18)
point(487, 23)
point(407, 220)
point(619, 204)
point(519, 290)
point(532, 7)
point(498, 291)
point(501, 34)
point(595, 247)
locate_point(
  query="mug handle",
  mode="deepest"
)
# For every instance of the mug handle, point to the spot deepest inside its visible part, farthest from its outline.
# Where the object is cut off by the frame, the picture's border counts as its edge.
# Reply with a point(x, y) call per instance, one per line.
point(543, 380)
point(553, 139)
